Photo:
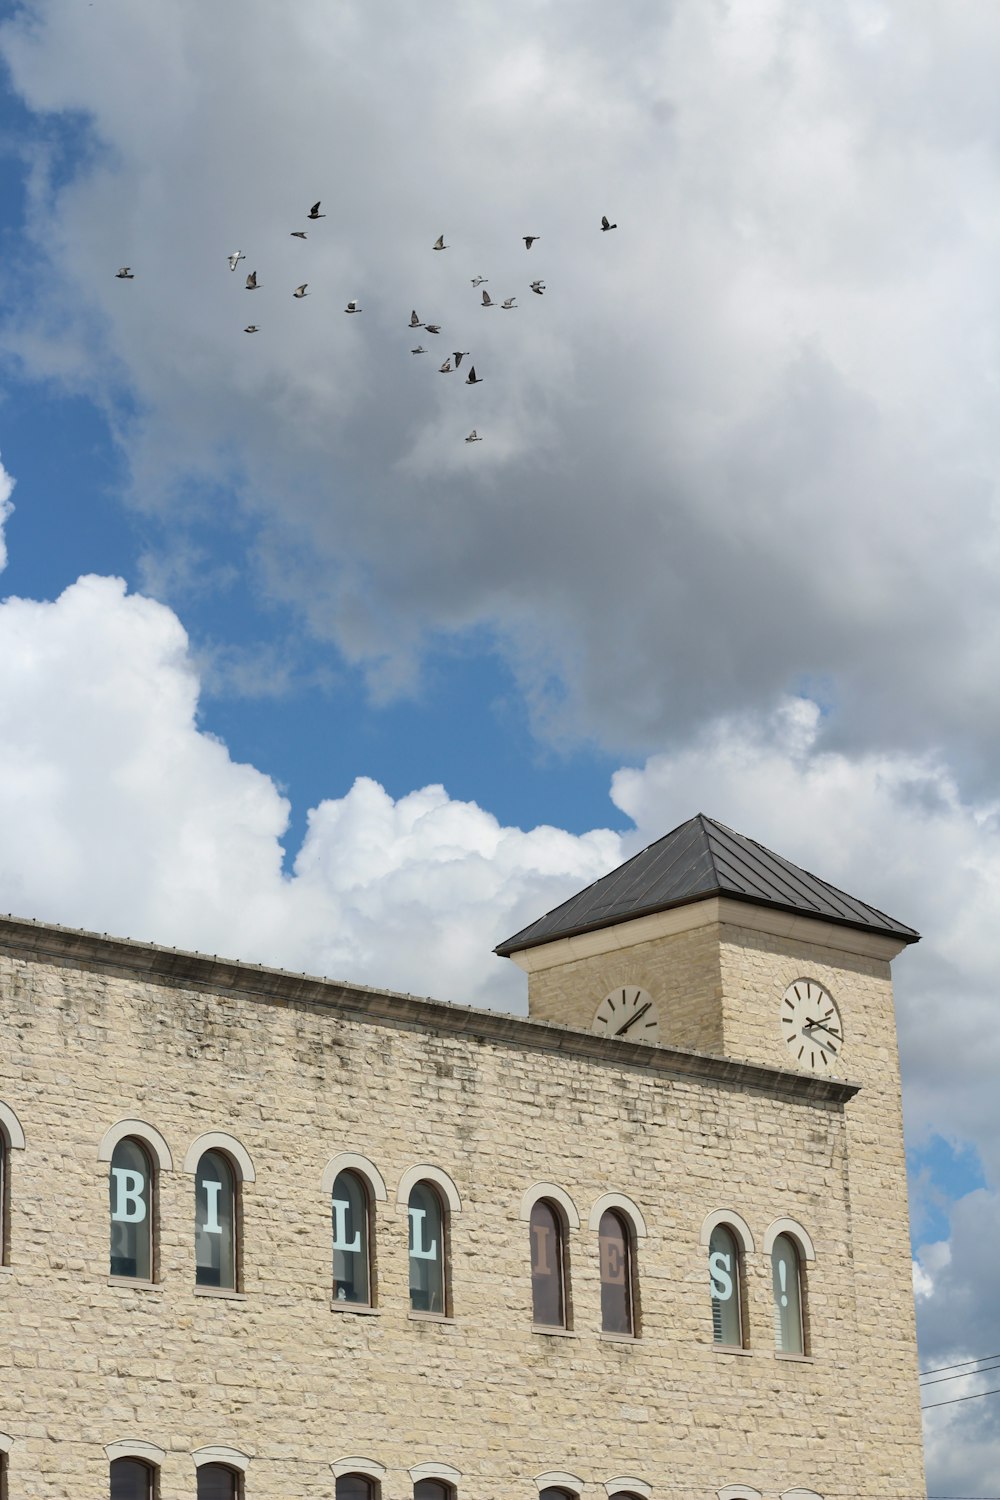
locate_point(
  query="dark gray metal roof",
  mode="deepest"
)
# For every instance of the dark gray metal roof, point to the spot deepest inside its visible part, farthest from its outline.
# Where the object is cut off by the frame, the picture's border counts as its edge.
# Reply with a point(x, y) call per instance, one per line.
point(699, 859)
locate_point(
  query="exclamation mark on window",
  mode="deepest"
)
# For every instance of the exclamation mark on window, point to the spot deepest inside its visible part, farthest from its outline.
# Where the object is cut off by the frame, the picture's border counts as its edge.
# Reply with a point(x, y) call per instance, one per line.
point(783, 1277)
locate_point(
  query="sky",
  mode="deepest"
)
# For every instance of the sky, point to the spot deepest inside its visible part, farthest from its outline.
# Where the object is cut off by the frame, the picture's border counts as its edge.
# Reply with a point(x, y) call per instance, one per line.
point(290, 671)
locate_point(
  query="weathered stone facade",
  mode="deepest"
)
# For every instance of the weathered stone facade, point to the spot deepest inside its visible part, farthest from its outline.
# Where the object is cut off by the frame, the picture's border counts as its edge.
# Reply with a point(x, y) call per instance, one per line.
point(94, 1031)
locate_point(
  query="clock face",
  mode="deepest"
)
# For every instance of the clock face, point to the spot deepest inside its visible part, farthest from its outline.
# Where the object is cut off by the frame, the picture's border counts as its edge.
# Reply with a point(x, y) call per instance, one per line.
point(629, 1013)
point(811, 1026)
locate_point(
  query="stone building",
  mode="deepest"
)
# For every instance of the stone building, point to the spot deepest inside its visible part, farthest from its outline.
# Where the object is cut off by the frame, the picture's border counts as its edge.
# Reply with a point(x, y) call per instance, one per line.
point(281, 1238)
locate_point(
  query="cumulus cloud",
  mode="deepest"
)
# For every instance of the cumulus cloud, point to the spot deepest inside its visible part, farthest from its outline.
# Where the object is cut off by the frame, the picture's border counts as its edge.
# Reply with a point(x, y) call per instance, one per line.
point(120, 814)
point(744, 445)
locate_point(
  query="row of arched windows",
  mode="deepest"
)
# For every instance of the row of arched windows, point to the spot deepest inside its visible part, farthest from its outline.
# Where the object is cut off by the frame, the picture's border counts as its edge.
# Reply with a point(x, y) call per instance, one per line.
point(220, 1165)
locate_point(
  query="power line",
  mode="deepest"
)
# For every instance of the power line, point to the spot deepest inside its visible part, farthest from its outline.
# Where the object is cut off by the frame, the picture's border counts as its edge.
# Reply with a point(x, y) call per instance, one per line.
point(974, 1397)
point(968, 1374)
point(939, 1369)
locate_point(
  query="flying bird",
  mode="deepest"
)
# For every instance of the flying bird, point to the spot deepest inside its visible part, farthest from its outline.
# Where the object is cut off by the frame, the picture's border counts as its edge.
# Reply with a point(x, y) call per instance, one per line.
point(445, 369)
point(300, 234)
point(439, 243)
point(539, 287)
point(419, 350)
point(472, 378)
point(300, 291)
point(432, 327)
point(252, 282)
point(352, 306)
point(605, 224)
point(458, 355)
point(488, 300)
point(529, 240)
point(251, 328)
point(508, 303)
point(235, 259)
point(314, 212)
point(124, 273)
point(414, 320)
point(473, 437)
point(478, 280)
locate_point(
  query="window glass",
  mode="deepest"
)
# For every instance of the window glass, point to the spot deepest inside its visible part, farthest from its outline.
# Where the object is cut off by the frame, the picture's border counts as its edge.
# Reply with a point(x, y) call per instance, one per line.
point(432, 1489)
point(547, 1301)
point(217, 1482)
point(355, 1486)
point(616, 1274)
point(131, 1479)
point(215, 1221)
point(131, 1185)
point(786, 1283)
point(426, 1251)
point(351, 1281)
point(724, 1279)
point(552, 1493)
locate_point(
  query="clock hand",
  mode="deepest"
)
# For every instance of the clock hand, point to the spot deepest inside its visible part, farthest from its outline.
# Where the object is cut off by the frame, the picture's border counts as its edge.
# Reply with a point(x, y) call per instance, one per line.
point(811, 1025)
point(632, 1019)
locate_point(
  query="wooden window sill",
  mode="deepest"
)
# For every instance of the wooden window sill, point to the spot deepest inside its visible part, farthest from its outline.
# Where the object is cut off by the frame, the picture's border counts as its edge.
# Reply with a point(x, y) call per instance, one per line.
point(227, 1293)
point(553, 1332)
point(619, 1338)
point(430, 1317)
point(732, 1349)
point(363, 1309)
point(135, 1283)
point(794, 1359)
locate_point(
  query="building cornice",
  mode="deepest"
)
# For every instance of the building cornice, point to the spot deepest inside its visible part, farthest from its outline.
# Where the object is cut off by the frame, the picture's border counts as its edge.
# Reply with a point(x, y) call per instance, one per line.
point(26, 939)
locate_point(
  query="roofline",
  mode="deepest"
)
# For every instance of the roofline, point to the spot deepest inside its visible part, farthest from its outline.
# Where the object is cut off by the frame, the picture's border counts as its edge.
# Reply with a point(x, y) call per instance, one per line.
point(27, 939)
point(900, 933)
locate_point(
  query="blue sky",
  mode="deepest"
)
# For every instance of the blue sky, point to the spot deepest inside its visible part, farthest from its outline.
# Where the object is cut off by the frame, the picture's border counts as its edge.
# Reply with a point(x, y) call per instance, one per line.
point(373, 698)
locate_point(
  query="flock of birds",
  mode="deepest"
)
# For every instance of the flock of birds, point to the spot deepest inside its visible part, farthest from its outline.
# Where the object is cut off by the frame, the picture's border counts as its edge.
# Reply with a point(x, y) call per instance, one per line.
point(509, 304)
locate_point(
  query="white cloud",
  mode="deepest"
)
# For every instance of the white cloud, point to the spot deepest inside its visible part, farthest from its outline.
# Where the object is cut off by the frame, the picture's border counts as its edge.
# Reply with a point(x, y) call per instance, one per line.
point(744, 443)
point(121, 815)
point(6, 490)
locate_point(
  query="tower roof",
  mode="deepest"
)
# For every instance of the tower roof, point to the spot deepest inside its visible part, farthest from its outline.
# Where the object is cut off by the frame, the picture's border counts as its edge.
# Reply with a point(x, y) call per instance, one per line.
point(702, 858)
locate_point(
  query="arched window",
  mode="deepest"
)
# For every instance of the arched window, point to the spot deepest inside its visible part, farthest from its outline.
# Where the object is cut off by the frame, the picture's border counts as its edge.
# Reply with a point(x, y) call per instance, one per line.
point(215, 1222)
point(554, 1493)
point(351, 1240)
point(725, 1282)
point(356, 1487)
point(218, 1482)
point(432, 1489)
point(131, 1479)
point(426, 1214)
point(131, 1190)
point(786, 1281)
point(548, 1266)
point(616, 1274)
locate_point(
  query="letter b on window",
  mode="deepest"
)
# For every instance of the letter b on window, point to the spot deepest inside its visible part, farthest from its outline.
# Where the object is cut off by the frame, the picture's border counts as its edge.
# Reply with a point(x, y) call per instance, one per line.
point(127, 1206)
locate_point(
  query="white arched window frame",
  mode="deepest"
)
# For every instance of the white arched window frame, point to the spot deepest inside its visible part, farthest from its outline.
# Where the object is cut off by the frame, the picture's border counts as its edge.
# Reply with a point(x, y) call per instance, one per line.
point(11, 1139)
point(445, 1474)
point(558, 1480)
point(149, 1453)
point(369, 1183)
point(633, 1226)
point(365, 1466)
point(421, 1257)
point(549, 1265)
point(231, 1457)
point(792, 1230)
point(738, 1492)
point(728, 1219)
point(159, 1159)
point(629, 1485)
point(800, 1494)
point(218, 1227)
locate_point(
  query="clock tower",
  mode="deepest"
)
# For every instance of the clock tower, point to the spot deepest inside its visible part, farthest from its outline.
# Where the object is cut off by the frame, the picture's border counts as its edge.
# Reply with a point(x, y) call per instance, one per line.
point(708, 942)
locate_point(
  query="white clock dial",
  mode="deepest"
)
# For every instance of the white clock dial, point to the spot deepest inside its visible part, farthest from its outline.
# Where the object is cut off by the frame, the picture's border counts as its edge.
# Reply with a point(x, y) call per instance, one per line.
point(630, 1013)
point(811, 1026)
